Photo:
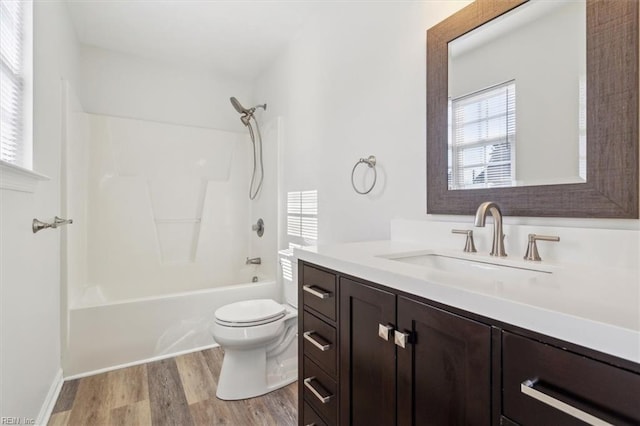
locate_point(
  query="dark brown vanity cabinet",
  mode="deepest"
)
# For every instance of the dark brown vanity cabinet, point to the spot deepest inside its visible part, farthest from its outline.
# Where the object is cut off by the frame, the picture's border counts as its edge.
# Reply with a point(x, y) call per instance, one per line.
point(371, 355)
point(403, 362)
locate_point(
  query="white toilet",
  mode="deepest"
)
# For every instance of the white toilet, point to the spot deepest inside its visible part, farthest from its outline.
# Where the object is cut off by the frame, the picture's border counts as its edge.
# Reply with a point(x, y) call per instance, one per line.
point(259, 338)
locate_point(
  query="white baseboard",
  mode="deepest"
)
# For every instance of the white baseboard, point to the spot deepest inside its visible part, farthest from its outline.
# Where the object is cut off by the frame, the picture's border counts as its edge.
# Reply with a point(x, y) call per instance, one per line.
point(50, 400)
point(142, 361)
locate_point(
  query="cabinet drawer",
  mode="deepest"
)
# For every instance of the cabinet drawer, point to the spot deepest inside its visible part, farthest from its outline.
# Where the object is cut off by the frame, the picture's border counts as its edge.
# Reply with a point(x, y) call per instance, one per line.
point(320, 391)
point(319, 340)
point(541, 383)
point(310, 417)
point(319, 291)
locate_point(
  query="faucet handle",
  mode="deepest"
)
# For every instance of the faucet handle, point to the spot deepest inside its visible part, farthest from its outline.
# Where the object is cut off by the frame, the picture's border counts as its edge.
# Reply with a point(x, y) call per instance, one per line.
point(532, 247)
point(469, 246)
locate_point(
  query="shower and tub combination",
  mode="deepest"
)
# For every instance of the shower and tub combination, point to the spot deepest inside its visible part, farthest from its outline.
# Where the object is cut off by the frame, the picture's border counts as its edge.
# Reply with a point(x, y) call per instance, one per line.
point(162, 233)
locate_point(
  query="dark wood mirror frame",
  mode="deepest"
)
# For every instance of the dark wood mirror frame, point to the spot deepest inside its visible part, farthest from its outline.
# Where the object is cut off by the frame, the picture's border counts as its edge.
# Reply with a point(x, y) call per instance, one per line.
point(611, 190)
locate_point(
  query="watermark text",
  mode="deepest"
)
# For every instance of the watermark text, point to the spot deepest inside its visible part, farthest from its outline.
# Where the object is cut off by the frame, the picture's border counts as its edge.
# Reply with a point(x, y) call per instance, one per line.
point(17, 421)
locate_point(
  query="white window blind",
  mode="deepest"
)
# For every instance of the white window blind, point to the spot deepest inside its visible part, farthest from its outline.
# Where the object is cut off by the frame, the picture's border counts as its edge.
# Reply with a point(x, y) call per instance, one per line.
point(482, 138)
point(287, 268)
point(12, 81)
point(286, 261)
point(302, 214)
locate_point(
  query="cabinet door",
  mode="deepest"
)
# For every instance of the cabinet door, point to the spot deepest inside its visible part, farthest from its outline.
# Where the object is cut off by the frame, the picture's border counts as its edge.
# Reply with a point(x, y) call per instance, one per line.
point(367, 362)
point(444, 373)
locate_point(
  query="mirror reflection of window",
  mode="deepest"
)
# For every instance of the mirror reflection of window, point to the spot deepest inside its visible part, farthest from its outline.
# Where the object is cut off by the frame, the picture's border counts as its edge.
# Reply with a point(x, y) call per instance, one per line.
point(482, 137)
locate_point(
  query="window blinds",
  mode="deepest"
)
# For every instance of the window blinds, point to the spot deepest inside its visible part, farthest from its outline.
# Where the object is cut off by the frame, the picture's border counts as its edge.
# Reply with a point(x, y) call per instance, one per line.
point(302, 214)
point(11, 81)
point(482, 138)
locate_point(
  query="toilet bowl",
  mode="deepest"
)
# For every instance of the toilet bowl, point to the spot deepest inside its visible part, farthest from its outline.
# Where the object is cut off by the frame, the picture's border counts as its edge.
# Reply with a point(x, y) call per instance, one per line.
point(260, 351)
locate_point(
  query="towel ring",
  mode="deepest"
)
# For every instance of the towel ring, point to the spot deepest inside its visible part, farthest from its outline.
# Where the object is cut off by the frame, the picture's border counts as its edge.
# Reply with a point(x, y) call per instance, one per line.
point(371, 162)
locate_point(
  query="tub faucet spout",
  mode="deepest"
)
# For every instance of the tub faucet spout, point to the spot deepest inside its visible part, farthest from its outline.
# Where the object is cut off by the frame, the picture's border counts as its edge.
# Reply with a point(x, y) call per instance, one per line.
point(497, 248)
point(253, 261)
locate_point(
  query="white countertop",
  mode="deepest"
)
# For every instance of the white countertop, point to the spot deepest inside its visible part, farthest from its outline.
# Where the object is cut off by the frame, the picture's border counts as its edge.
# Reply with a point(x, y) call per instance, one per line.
point(598, 308)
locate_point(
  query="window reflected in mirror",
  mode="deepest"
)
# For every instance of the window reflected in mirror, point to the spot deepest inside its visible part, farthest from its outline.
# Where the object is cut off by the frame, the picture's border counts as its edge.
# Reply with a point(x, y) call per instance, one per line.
point(482, 136)
point(541, 47)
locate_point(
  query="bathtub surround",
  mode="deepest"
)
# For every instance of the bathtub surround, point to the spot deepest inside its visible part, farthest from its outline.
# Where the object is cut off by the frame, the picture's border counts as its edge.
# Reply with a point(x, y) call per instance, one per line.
point(163, 231)
point(162, 194)
point(160, 187)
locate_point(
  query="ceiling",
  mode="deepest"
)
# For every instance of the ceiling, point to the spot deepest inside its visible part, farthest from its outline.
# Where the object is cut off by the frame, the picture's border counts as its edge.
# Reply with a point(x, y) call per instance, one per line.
point(237, 38)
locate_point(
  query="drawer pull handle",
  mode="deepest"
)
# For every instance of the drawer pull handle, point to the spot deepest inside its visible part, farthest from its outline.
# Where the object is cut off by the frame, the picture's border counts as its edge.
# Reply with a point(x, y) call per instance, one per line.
point(314, 342)
point(323, 399)
point(527, 388)
point(319, 294)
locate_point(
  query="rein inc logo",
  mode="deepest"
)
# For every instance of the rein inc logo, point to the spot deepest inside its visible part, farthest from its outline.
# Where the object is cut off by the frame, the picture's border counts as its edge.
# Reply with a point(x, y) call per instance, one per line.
point(17, 421)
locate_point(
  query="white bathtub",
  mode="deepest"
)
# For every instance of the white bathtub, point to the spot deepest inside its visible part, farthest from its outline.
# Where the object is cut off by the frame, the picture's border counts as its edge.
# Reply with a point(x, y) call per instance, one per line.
point(105, 334)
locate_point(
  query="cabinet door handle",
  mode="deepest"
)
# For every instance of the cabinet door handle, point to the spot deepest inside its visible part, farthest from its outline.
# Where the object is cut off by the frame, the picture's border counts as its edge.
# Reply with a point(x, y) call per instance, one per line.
point(527, 388)
point(401, 338)
point(319, 294)
point(323, 399)
point(384, 331)
point(314, 342)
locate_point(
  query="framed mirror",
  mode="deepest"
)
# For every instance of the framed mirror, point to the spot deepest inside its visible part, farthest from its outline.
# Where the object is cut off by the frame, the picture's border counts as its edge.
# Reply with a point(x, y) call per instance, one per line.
point(539, 130)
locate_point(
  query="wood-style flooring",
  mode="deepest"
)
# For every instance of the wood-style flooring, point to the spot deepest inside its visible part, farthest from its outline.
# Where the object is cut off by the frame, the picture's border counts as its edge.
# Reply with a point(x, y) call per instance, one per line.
point(178, 391)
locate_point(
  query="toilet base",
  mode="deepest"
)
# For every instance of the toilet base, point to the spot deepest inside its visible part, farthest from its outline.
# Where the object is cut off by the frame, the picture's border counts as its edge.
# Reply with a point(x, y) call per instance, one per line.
point(254, 372)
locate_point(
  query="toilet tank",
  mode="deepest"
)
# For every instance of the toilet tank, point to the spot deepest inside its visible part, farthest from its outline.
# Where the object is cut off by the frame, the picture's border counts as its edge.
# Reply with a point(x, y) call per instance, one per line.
point(289, 274)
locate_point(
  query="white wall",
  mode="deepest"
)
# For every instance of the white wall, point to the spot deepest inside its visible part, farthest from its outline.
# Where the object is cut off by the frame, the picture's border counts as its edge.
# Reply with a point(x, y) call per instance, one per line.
point(123, 85)
point(30, 264)
point(351, 85)
point(354, 84)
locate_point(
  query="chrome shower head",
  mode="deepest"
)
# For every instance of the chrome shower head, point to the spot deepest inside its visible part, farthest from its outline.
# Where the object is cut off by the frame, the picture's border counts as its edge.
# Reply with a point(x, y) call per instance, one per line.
point(242, 110)
point(238, 106)
point(246, 113)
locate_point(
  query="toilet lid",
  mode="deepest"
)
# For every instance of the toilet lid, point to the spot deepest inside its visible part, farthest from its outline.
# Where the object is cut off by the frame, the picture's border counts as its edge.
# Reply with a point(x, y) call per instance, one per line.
point(250, 312)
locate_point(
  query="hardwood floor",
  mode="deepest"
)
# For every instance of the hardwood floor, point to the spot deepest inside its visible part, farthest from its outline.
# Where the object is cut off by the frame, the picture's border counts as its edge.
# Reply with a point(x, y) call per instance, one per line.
point(178, 391)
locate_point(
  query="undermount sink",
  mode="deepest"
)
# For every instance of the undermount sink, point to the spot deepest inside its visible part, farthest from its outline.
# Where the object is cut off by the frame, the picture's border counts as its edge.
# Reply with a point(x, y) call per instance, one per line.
point(480, 268)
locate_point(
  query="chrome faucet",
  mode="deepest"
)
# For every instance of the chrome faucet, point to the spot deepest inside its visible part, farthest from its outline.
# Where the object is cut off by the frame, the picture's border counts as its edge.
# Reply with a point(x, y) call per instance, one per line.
point(497, 249)
point(253, 261)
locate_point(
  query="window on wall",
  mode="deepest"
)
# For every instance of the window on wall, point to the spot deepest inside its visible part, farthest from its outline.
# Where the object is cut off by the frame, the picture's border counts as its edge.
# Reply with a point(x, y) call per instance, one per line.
point(302, 216)
point(482, 134)
point(302, 226)
point(15, 74)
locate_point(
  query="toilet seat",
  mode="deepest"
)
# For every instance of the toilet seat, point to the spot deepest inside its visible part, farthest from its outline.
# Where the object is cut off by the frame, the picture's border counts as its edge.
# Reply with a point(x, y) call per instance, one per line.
point(250, 313)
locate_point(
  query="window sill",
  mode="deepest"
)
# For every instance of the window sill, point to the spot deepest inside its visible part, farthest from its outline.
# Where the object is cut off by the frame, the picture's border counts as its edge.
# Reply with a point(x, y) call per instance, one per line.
point(17, 178)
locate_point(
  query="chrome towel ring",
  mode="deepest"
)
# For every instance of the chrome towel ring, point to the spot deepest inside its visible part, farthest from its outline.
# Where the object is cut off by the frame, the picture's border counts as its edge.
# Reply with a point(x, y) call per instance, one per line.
point(371, 162)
